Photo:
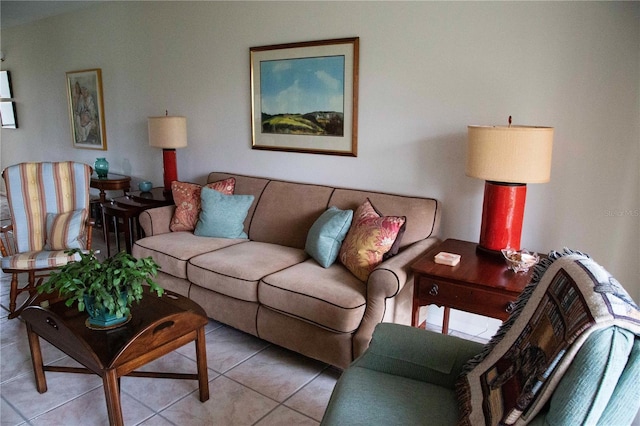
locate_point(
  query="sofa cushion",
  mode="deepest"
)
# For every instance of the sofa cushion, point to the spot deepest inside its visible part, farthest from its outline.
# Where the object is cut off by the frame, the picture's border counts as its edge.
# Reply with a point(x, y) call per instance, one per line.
point(222, 215)
point(65, 230)
point(174, 249)
point(332, 298)
point(287, 211)
point(326, 235)
point(187, 199)
point(370, 237)
point(236, 270)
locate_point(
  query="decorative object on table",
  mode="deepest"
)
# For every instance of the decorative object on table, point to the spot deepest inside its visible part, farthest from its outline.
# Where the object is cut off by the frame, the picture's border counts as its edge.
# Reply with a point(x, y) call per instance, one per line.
point(305, 97)
point(168, 132)
point(145, 186)
point(104, 282)
point(520, 260)
point(445, 258)
point(86, 109)
point(507, 158)
point(101, 166)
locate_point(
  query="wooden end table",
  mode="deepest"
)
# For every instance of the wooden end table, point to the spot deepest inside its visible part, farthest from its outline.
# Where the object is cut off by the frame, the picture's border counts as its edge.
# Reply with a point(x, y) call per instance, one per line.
point(157, 327)
point(113, 182)
point(481, 283)
point(127, 209)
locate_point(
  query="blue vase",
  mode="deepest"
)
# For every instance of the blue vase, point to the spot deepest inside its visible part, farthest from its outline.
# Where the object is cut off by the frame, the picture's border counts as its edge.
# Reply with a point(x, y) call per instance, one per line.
point(101, 166)
point(98, 317)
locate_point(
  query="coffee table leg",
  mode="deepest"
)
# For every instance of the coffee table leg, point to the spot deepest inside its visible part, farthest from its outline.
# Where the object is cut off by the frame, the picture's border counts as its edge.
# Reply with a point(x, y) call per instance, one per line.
point(36, 360)
point(201, 357)
point(112, 394)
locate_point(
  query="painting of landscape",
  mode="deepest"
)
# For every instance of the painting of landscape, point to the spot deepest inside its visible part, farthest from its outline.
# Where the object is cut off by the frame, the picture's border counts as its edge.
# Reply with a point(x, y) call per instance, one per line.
point(303, 96)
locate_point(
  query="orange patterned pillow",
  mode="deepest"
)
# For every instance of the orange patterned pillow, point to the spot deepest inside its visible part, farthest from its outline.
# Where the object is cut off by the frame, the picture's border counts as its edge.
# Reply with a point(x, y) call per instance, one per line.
point(186, 196)
point(370, 237)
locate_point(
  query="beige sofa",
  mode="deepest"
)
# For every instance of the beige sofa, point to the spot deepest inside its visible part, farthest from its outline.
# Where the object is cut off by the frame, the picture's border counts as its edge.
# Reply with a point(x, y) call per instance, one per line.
point(270, 287)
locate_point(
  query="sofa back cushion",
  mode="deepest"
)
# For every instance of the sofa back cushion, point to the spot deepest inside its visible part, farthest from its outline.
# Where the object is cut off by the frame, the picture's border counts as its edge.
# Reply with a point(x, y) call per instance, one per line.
point(423, 215)
point(283, 211)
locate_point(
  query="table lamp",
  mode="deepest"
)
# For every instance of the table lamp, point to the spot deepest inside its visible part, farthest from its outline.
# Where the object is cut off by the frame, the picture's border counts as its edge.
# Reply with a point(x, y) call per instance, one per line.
point(168, 132)
point(507, 158)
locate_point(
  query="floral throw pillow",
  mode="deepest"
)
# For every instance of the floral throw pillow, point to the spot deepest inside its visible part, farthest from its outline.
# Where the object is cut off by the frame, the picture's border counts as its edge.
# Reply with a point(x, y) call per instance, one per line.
point(186, 196)
point(370, 237)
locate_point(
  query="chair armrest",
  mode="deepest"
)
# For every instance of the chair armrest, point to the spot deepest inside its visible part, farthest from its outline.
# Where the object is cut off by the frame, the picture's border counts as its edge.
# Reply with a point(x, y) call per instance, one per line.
point(157, 220)
point(386, 281)
point(7, 242)
point(89, 224)
point(417, 354)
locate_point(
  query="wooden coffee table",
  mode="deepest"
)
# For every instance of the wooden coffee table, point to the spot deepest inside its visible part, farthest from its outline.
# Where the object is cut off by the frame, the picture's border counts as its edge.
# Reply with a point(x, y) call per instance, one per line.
point(158, 326)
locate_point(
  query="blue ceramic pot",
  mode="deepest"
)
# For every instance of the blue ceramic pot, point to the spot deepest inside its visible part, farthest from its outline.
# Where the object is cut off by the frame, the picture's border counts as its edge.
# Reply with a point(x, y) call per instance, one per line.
point(101, 166)
point(145, 186)
point(98, 317)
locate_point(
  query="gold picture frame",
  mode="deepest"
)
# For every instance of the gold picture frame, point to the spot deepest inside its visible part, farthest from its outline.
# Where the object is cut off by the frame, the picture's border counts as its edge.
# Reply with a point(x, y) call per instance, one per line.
point(304, 97)
point(86, 109)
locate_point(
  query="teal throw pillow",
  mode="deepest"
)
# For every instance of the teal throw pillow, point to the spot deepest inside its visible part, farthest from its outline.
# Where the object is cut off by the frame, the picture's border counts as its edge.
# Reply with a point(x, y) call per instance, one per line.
point(222, 215)
point(326, 235)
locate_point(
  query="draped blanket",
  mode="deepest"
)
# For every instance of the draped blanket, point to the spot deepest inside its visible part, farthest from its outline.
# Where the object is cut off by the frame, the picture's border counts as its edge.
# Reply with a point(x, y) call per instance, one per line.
point(569, 297)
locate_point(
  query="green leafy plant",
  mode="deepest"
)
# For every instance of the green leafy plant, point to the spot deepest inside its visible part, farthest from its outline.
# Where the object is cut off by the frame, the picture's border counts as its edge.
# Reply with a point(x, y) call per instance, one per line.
point(104, 280)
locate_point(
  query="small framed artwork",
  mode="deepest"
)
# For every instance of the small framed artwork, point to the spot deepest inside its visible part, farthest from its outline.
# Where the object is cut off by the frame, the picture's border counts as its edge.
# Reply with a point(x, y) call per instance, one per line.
point(8, 116)
point(86, 109)
point(304, 97)
point(5, 85)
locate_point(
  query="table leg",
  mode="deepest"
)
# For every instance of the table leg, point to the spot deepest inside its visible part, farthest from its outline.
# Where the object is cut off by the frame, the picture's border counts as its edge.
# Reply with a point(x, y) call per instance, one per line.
point(36, 360)
point(112, 394)
point(128, 241)
point(445, 320)
point(201, 357)
point(105, 230)
point(116, 229)
point(415, 317)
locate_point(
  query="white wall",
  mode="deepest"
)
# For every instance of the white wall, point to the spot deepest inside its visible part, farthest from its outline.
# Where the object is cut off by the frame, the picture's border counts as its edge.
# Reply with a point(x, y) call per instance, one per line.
point(427, 70)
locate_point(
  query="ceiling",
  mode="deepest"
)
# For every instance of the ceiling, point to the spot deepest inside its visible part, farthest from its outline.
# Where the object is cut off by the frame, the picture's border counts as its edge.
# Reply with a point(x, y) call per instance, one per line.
point(19, 12)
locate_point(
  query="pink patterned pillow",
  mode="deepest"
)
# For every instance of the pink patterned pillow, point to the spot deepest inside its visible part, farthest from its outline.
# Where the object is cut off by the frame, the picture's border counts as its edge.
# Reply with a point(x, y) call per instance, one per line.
point(186, 196)
point(370, 237)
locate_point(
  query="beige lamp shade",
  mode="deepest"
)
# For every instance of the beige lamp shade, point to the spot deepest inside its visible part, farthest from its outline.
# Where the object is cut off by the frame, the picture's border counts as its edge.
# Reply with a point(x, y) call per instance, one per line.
point(514, 154)
point(168, 132)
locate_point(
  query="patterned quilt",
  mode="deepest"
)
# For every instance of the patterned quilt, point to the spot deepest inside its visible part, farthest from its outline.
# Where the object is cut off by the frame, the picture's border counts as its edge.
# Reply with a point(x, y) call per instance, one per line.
point(569, 297)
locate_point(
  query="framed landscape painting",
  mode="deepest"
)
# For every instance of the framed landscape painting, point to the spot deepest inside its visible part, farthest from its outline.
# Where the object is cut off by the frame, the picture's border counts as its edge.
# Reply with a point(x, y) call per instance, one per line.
point(86, 109)
point(304, 97)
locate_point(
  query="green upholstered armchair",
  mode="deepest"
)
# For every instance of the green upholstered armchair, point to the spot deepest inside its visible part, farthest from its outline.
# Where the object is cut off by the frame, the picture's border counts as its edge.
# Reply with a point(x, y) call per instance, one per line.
point(568, 355)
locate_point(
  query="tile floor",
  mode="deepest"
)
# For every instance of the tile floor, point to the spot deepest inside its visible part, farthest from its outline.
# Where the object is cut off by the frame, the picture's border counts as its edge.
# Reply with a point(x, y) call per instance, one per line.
point(251, 382)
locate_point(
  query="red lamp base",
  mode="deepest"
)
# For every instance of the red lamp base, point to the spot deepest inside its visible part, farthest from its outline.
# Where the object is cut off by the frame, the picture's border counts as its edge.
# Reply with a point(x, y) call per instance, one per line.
point(502, 216)
point(170, 168)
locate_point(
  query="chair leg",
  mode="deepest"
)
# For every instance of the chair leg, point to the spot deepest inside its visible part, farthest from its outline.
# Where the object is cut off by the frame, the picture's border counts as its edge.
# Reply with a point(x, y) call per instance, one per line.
point(31, 286)
point(13, 295)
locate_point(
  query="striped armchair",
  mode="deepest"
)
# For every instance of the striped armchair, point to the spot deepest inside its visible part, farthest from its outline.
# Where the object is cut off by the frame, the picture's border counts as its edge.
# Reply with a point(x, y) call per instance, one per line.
point(49, 206)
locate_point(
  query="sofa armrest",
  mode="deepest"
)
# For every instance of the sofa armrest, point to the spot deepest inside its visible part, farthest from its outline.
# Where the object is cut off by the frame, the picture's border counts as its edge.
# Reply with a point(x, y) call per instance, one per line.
point(157, 220)
point(417, 354)
point(388, 278)
point(386, 281)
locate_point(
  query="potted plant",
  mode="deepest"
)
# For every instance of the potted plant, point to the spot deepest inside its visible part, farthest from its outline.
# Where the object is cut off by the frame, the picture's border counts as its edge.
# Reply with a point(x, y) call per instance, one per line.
point(106, 289)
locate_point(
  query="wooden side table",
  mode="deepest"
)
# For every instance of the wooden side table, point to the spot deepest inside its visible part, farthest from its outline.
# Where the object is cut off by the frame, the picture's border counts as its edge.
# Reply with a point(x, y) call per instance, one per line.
point(126, 210)
point(113, 182)
point(481, 283)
